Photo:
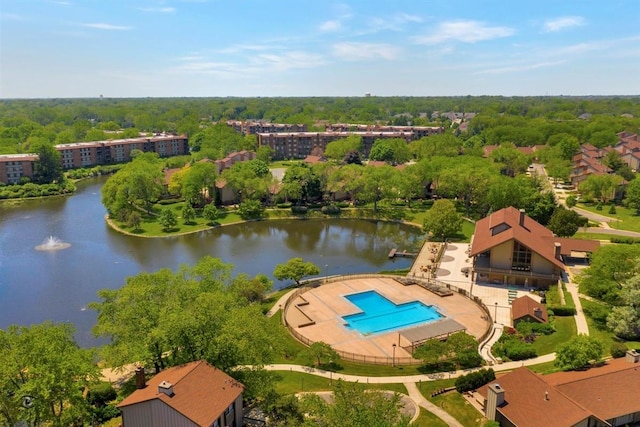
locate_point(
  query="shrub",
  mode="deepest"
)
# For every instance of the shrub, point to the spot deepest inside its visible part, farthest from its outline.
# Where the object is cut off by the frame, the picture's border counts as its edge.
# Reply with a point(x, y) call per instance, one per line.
point(618, 349)
point(474, 380)
point(299, 210)
point(560, 310)
point(599, 206)
point(331, 210)
point(612, 209)
point(284, 205)
point(526, 328)
point(101, 394)
point(343, 204)
point(625, 240)
point(571, 201)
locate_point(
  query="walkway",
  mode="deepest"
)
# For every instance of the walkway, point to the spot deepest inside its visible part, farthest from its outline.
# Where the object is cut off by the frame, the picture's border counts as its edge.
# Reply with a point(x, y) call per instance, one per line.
point(280, 303)
point(417, 397)
point(604, 230)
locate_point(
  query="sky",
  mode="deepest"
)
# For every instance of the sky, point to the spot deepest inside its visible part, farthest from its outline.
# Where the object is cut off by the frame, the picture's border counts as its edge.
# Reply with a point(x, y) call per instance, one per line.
point(200, 48)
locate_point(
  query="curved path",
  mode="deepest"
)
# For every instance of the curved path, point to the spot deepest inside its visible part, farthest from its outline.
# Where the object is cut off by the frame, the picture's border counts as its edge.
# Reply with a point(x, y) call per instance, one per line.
point(614, 231)
point(417, 397)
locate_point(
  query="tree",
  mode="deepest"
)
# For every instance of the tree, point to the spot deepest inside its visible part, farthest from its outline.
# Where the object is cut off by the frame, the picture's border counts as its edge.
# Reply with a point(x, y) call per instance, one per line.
point(167, 219)
point(378, 184)
point(337, 150)
point(600, 187)
point(442, 219)
point(48, 167)
point(624, 320)
point(295, 269)
point(321, 351)
point(632, 195)
point(301, 183)
point(188, 214)
point(578, 352)
point(210, 213)
point(198, 183)
point(610, 267)
point(564, 222)
point(353, 406)
point(250, 209)
point(512, 160)
point(43, 375)
point(392, 150)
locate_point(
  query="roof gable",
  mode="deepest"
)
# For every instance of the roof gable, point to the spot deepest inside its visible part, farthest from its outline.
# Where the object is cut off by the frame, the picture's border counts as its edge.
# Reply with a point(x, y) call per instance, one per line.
point(527, 306)
point(200, 392)
point(511, 224)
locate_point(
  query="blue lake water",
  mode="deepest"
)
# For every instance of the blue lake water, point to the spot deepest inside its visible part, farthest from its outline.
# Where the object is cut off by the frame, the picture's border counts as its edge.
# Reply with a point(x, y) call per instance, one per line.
point(381, 315)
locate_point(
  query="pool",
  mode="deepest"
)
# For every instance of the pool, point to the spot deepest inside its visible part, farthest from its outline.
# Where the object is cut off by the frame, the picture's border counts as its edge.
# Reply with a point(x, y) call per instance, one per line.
point(381, 315)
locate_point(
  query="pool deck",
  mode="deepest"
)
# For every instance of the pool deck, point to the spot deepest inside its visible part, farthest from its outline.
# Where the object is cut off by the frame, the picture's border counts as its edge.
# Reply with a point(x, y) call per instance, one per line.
point(324, 307)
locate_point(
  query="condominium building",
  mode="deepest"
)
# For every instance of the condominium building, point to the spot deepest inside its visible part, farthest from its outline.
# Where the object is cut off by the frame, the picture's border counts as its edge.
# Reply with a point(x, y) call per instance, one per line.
point(298, 145)
point(253, 127)
point(87, 154)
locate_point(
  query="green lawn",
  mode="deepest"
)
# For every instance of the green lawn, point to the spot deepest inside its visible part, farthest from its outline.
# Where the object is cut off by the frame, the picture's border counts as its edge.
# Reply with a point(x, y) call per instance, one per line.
point(452, 402)
point(629, 220)
point(594, 236)
point(565, 329)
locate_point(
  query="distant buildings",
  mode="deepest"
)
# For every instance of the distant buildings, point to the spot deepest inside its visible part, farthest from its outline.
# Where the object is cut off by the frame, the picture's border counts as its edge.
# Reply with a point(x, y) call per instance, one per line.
point(87, 154)
point(253, 127)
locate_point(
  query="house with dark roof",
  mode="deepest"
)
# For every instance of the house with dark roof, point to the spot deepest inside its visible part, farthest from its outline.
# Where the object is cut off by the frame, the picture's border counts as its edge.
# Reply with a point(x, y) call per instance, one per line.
point(608, 395)
point(510, 248)
point(191, 395)
point(526, 309)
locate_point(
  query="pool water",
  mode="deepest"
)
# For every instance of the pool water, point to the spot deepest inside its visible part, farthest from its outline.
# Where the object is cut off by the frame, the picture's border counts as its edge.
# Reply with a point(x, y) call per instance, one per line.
point(381, 315)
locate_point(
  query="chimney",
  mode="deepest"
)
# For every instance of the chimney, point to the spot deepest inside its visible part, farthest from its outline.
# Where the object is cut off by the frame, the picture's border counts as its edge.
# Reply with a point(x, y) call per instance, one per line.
point(632, 356)
point(558, 246)
point(522, 215)
point(495, 399)
point(166, 388)
point(141, 381)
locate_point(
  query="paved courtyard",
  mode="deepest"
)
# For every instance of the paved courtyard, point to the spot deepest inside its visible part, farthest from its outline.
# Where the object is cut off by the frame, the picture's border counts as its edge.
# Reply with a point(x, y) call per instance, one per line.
point(321, 310)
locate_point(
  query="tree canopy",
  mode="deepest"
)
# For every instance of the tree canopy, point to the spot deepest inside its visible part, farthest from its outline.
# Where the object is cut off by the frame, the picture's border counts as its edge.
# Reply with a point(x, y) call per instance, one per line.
point(295, 269)
point(443, 220)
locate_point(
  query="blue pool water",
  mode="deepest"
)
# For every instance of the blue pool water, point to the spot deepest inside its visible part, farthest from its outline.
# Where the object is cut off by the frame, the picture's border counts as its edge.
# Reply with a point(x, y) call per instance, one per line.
point(381, 315)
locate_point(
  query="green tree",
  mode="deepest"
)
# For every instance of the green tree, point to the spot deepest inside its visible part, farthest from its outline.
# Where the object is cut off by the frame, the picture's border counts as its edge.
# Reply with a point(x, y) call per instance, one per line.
point(442, 220)
point(44, 375)
point(610, 267)
point(392, 150)
point(564, 222)
point(337, 150)
point(167, 219)
point(624, 320)
point(198, 183)
point(210, 213)
point(378, 184)
point(295, 269)
point(353, 406)
point(348, 180)
point(632, 195)
point(188, 214)
point(578, 352)
point(512, 161)
point(320, 351)
point(302, 180)
point(600, 187)
point(48, 167)
point(250, 209)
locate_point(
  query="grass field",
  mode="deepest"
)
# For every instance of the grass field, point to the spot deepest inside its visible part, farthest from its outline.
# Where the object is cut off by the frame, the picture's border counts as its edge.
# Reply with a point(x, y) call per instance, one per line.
point(565, 329)
point(606, 337)
point(628, 218)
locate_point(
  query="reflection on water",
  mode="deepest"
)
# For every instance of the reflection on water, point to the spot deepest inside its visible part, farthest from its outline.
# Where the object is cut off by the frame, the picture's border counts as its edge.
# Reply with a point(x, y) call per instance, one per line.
point(57, 285)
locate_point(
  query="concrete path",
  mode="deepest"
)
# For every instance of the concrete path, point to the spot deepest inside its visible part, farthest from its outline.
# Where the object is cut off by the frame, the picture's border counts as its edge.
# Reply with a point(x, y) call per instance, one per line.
point(415, 394)
point(280, 303)
point(594, 216)
point(602, 230)
point(581, 321)
point(485, 347)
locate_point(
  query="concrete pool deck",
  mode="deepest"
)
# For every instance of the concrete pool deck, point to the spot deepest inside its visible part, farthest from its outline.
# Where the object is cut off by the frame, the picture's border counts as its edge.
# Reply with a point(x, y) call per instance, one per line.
point(324, 307)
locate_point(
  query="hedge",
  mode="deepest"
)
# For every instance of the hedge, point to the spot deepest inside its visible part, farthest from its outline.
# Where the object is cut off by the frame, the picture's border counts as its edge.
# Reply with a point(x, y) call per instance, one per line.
point(474, 380)
point(559, 310)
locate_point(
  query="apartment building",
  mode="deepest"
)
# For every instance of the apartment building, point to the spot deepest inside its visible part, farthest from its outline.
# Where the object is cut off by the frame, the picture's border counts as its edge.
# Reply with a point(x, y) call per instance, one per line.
point(14, 166)
point(417, 131)
point(299, 145)
point(87, 154)
point(253, 127)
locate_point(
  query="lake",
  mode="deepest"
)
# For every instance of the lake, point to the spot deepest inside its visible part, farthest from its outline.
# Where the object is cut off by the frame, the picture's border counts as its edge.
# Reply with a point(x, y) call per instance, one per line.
point(57, 285)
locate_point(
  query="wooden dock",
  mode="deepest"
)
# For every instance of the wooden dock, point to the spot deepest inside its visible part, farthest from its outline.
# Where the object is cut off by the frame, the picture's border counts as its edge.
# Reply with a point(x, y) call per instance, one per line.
point(394, 253)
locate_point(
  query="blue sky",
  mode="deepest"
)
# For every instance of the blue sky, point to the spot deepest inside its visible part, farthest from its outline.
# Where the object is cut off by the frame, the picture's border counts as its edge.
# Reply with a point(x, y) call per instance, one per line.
point(139, 48)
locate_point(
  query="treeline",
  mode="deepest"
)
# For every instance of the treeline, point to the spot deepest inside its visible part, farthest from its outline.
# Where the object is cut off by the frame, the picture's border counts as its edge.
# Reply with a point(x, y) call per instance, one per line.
point(524, 121)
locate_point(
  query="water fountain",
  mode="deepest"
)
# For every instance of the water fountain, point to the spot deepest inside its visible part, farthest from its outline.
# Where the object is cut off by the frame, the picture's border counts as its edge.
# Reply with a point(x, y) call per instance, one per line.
point(52, 243)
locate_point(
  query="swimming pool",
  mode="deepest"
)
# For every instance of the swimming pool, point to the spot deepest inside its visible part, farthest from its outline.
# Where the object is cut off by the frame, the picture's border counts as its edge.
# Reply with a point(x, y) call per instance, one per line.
point(381, 315)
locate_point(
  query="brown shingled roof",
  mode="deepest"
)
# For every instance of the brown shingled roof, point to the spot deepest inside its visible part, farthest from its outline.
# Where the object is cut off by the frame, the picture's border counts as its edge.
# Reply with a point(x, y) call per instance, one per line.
point(531, 234)
point(526, 306)
point(201, 392)
point(527, 403)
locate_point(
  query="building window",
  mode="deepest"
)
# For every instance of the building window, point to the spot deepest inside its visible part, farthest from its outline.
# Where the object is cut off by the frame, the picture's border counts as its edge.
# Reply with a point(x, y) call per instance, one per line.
point(521, 257)
point(230, 408)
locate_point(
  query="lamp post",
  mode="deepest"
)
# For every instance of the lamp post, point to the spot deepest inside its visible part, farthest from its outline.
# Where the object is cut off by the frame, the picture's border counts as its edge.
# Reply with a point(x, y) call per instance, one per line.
point(393, 359)
point(495, 320)
point(326, 273)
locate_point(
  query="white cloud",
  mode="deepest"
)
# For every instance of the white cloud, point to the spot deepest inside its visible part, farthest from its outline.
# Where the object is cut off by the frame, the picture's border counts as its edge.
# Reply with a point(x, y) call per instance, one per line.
point(558, 24)
point(395, 22)
point(287, 60)
point(355, 51)
point(517, 68)
point(464, 31)
point(104, 26)
point(329, 26)
point(240, 48)
point(158, 9)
